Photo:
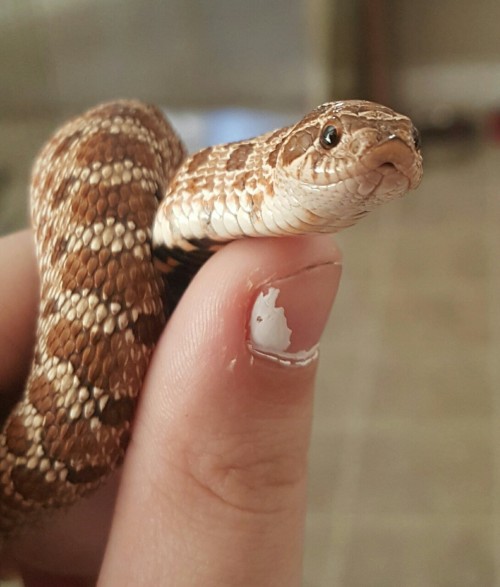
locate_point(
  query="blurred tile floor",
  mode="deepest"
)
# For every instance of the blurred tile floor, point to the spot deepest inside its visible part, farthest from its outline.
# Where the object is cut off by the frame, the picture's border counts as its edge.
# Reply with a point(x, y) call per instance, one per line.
point(405, 456)
point(405, 459)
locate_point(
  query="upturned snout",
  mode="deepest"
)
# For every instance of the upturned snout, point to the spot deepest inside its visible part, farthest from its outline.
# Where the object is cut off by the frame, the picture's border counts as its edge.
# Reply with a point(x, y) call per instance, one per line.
point(394, 155)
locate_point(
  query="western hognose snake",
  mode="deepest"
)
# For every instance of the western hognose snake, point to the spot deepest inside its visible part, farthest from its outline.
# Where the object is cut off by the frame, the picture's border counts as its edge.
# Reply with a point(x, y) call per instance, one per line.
point(123, 219)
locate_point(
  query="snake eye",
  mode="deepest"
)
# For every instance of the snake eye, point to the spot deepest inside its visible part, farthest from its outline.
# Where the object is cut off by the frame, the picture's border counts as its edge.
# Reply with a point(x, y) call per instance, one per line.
point(330, 136)
point(417, 141)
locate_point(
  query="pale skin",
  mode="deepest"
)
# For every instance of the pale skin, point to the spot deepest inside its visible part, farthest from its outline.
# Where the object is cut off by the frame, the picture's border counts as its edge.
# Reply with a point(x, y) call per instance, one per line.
point(213, 489)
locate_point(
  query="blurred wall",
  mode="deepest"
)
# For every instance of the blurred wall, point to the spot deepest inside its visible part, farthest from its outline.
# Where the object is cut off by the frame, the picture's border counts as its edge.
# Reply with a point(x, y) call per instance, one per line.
point(447, 52)
point(56, 54)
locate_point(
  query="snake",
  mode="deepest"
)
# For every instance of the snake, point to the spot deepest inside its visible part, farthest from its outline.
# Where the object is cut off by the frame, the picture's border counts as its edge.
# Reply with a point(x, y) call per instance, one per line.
point(123, 219)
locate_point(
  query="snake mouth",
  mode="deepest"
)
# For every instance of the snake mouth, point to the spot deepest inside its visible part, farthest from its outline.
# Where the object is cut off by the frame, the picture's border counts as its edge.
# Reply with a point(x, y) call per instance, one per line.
point(387, 167)
point(393, 156)
point(387, 171)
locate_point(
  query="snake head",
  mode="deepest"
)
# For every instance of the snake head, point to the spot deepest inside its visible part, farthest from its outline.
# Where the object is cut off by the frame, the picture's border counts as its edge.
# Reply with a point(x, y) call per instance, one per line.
point(345, 158)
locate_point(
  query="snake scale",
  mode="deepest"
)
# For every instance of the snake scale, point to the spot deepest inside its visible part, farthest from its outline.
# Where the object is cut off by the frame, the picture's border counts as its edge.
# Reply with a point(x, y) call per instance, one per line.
point(123, 219)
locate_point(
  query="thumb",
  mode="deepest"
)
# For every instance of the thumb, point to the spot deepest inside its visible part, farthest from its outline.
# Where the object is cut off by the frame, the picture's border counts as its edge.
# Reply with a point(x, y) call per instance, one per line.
point(213, 488)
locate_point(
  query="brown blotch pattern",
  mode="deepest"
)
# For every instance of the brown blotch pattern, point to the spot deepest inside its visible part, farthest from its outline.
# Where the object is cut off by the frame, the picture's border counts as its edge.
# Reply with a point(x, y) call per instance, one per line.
point(61, 338)
point(106, 147)
point(298, 144)
point(32, 485)
point(152, 118)
point(238, 158)
point(244, 180)
point(132, 360)
point(42, 394)
point(199, 159)
point(273, 156)
point(111, 362)
point(76, 444)
point(279, 132)
point(125, 202)
point(58, 249)
point(66, 143)
point(17, 436)
point(116, 412)
point(48, 307)
point(88, 474)
point(62, 190)
point(147, 329)
point(120, 278)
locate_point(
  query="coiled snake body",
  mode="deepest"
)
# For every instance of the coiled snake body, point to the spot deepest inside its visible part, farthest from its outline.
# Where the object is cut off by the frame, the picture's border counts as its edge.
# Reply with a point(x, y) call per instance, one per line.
point(123, 219)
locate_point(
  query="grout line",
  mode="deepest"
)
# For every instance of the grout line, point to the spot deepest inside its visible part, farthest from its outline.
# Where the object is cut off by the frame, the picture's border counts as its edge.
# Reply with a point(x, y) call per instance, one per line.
point(380, 263)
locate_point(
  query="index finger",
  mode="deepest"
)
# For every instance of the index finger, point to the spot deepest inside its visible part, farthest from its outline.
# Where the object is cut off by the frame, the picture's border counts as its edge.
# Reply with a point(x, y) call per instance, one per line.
point(18, 309)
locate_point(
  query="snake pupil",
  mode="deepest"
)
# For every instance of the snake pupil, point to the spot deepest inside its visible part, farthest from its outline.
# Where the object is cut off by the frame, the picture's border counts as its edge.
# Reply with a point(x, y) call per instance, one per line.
point(330, 136)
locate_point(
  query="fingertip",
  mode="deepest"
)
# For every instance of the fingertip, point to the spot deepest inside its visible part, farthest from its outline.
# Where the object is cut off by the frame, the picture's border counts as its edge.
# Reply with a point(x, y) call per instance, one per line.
point(226, 324)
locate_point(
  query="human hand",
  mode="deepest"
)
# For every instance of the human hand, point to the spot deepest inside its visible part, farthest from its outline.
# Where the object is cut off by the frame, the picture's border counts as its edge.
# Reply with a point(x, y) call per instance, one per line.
point(213, 488)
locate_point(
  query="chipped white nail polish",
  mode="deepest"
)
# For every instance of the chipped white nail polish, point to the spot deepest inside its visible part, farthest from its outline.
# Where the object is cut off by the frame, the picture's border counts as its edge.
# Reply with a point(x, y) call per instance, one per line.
point(268, 327)
point(270, 335)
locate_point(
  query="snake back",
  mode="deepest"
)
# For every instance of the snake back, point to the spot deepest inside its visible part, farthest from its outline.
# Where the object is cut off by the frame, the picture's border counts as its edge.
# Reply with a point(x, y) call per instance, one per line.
point(95, 191)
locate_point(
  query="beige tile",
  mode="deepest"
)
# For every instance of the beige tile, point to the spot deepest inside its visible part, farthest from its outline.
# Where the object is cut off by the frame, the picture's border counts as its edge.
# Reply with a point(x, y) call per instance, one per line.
point(419, 384)
point(440, 553)
point(427, 469)
point(450, 254)
point(318, 550)
point(406, 391)
point(325, 470)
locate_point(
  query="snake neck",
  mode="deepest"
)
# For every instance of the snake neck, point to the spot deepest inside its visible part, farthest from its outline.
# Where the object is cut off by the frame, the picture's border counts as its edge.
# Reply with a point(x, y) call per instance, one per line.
point(220, 194)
